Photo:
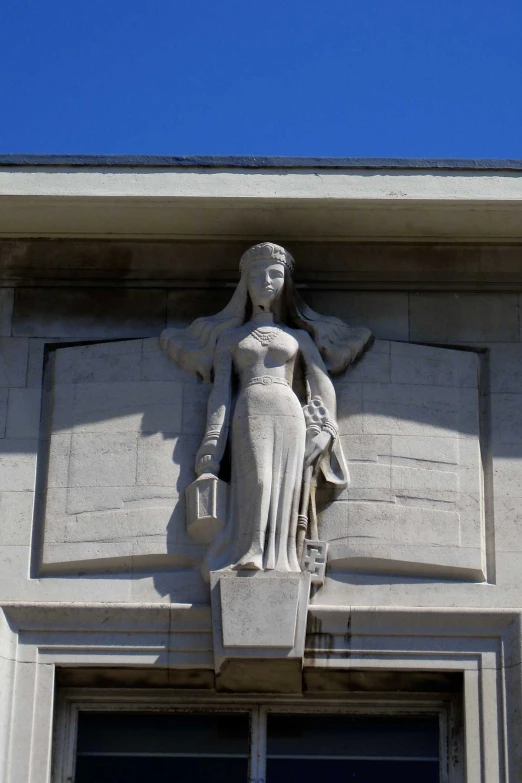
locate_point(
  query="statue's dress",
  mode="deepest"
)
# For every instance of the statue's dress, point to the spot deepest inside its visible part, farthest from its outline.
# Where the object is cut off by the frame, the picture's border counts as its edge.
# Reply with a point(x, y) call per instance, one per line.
point(267, 444)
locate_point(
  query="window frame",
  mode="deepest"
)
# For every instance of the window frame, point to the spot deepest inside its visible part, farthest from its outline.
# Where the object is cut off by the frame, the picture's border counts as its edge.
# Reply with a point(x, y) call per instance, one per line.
point(72, 701)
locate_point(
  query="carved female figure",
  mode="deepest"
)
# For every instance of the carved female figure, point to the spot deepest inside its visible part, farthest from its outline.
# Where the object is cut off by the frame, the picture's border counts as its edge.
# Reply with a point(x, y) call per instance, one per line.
point(262, 337)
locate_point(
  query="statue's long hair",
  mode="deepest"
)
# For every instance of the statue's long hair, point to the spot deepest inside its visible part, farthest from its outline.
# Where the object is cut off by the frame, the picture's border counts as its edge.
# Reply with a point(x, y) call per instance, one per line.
point(193, 347)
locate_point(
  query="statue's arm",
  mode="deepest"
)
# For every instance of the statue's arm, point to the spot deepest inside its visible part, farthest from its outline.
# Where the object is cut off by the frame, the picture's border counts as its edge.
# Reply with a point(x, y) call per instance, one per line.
point(214, 441)
point(317, 375)
point(321, 410)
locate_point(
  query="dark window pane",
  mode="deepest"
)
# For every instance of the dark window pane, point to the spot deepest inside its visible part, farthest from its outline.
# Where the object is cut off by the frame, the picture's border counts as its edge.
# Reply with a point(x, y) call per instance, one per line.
point(349, 771)
point(187, 733)
point(139, 747)
point(353, 736)
point(110, 769)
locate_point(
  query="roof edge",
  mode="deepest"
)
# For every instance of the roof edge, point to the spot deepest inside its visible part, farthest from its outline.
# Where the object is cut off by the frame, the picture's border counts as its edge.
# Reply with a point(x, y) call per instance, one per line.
point(256, 162)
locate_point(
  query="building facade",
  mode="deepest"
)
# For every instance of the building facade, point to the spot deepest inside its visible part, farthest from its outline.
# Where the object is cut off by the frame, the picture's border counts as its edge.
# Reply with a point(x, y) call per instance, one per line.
point(395, 653)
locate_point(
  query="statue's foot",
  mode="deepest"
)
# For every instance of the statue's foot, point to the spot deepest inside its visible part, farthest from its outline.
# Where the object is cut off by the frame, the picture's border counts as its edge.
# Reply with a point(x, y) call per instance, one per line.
point(250, 562)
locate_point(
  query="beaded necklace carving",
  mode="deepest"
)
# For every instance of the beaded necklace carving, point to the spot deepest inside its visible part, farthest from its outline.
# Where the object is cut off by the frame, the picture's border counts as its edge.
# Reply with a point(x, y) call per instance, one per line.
point(265, 337)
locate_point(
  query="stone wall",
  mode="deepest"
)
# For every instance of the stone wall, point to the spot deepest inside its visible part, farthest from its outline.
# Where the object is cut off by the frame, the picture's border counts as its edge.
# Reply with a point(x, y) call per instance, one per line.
point(81, 307)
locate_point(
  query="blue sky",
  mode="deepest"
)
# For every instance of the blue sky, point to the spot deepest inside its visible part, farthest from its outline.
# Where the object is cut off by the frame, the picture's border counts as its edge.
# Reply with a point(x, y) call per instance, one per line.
point(391, 78)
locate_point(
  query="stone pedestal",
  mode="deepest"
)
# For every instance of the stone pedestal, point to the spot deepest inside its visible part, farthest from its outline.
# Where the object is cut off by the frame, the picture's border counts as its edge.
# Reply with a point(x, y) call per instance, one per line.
point(259, 627)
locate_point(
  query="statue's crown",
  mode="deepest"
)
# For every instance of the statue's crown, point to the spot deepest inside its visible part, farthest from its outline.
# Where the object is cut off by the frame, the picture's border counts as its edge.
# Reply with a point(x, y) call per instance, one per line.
point(267, 251)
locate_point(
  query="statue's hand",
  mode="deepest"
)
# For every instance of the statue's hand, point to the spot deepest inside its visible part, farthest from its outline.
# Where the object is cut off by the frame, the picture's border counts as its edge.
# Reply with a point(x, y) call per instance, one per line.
point(206, 461)
point(207, 464)
point(316, 446)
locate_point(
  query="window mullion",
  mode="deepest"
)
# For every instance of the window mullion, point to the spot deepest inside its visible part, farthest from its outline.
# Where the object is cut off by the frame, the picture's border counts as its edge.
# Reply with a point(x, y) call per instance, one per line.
point(257, 764)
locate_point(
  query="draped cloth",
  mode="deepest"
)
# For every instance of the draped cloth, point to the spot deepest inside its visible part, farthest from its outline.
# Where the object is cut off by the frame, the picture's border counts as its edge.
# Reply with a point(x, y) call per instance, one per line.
point(268, 437)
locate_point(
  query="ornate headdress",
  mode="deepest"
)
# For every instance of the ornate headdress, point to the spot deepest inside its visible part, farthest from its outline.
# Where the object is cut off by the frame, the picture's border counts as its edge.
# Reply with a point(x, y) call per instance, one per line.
point(267, 251)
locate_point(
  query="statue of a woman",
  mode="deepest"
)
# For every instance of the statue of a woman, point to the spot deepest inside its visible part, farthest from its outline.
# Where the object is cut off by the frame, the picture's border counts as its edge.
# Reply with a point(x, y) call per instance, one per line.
point(264, 334)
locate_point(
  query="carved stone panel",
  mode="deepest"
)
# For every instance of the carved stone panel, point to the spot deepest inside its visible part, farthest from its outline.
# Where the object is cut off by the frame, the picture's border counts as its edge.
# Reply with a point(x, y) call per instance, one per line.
point(123, 423)
point(123, 426)
point(409, 422)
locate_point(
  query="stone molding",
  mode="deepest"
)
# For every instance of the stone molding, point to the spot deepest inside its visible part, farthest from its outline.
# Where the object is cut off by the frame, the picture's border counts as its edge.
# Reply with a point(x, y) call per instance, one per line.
point(304, 203)
point(485, 646)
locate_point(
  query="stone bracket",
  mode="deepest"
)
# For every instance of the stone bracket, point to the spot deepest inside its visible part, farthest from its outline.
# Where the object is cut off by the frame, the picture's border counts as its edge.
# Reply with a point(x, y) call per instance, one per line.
point(258, 616)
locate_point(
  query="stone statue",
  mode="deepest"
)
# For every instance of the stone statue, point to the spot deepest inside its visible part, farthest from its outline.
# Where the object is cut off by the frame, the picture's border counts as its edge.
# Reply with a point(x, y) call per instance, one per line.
point(264, 339)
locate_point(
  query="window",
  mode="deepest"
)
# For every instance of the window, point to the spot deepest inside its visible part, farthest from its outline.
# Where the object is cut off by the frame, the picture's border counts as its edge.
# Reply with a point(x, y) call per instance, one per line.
point(236, 743)
point(135, 747)
point(352, 747)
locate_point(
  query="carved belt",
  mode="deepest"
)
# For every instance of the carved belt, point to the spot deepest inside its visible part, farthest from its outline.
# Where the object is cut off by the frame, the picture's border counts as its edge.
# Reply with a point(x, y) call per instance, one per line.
point(267, 380)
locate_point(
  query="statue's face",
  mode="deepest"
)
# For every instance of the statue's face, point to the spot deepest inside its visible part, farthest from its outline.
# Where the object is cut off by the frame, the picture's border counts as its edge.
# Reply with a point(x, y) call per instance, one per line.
point(265, 282)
